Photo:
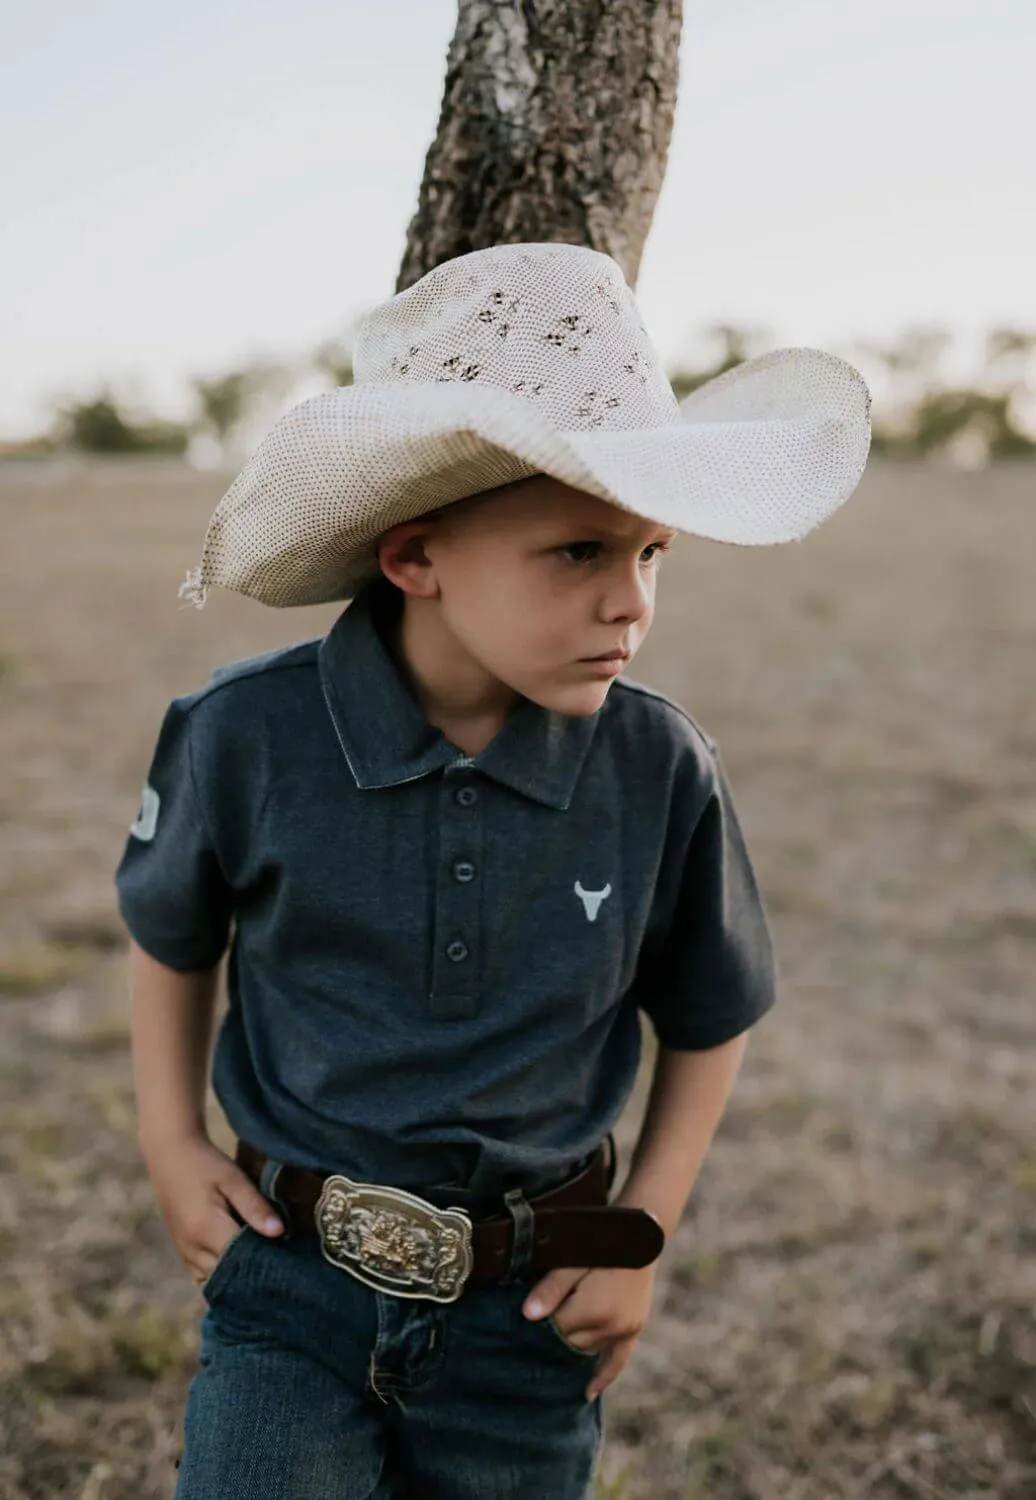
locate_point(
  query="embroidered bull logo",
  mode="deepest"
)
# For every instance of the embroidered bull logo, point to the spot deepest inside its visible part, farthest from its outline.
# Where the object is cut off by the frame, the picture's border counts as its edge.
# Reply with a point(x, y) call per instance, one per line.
point(592, 900)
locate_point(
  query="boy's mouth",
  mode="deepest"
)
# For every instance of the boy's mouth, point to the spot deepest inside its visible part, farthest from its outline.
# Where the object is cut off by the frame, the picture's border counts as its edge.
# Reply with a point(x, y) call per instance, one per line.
point(616, 655)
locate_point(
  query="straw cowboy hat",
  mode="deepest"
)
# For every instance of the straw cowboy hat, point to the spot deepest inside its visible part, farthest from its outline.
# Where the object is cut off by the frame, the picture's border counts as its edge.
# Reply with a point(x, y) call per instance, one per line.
point(518, 360)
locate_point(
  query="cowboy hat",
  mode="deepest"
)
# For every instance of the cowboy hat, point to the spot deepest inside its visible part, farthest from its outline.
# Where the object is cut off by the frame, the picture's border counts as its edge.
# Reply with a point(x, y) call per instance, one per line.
point(517, 360)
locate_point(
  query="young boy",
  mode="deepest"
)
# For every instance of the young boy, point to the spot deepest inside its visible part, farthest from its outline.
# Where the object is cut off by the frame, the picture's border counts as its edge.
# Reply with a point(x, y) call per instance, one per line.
point(453, 854)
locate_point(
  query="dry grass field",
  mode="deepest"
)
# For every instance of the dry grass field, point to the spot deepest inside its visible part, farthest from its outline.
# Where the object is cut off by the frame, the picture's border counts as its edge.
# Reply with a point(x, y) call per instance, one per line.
point(848, 1309)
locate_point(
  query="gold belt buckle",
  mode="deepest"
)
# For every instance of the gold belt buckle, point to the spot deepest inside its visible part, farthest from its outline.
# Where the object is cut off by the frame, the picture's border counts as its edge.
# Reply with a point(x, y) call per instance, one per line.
point(393, 1240)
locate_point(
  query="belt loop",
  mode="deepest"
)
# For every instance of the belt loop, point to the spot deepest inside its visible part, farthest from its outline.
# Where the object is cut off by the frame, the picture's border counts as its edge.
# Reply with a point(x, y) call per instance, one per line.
point(268, 1176)
point(613, 1161)
point(522, 1242)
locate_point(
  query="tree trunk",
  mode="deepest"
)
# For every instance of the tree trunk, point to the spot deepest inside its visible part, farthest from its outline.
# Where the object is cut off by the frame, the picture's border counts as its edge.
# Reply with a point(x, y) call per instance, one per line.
point(555, 125)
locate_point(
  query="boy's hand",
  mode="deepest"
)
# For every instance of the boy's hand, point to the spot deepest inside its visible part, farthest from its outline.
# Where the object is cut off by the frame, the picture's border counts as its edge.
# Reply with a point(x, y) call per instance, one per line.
point(197, 1184)
point(600, 1309)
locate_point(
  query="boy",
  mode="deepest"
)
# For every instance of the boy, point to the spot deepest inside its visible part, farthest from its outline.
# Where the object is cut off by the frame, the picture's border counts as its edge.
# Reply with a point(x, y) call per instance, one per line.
point(453, 854)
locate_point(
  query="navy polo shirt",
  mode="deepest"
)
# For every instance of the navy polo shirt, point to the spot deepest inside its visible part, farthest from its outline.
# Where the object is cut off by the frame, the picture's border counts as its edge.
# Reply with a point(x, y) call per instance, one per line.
point(437, 961)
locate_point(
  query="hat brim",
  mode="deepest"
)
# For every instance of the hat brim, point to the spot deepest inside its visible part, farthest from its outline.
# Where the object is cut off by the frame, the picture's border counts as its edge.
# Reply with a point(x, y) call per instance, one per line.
point(758, 456)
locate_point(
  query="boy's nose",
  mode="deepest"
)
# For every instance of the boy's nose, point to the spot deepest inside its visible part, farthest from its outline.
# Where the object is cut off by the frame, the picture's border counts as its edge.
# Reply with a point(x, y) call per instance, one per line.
point(630, 595)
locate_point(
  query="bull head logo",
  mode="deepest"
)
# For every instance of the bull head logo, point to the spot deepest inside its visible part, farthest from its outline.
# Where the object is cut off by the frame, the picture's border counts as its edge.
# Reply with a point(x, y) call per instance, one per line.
point(592, 900)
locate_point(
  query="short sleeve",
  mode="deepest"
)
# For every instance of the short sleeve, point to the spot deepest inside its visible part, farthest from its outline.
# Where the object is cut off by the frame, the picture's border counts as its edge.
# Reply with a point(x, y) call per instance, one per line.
point(713, 974)
point(171, 890)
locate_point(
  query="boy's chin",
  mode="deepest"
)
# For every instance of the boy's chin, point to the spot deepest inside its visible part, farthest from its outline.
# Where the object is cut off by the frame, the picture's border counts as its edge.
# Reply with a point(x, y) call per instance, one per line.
point(576, 699)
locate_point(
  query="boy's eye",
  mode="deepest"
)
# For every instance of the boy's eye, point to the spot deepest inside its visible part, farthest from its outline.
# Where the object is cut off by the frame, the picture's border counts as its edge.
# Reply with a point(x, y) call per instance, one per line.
point(653, 547)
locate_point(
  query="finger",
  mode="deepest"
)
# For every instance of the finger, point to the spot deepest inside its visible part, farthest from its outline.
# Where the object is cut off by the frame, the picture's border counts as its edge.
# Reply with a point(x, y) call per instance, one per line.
point(611, 1362)
point(208, 1248)
point(242, 1193)
point(201, 1269)
point(551, 1290)
point(585, 1339)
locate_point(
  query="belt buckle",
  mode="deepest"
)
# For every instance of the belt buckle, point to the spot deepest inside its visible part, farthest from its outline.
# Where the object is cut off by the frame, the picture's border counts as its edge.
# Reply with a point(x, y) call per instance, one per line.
point(393, 1240)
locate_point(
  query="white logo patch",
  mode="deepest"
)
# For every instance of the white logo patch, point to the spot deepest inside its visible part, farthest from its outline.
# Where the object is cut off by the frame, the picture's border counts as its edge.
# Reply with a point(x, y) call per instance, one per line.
point(592, 900)
point(147, 818)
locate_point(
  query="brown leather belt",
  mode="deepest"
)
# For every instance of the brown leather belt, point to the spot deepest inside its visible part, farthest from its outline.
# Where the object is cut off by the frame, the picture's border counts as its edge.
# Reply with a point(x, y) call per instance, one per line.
point(397, 1241)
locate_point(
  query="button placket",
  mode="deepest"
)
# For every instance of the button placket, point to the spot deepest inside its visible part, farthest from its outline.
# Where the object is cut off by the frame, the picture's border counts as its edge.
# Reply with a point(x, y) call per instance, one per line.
point(454, 992)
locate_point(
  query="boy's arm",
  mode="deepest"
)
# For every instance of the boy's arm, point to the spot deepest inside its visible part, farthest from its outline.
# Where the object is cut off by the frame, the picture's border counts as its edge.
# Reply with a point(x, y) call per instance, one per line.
point(689, 1092)
point(713, 979)
point(177, 900)
point(171, 1021)
point(199, 1188)
point(603, 1310)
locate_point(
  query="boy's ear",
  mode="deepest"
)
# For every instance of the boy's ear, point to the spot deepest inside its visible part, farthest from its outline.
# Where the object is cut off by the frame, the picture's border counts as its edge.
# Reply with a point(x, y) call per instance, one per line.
point(403, 559)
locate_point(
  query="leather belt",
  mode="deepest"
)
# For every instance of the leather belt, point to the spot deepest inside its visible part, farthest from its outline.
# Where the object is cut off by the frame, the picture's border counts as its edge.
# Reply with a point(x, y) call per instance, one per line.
point(398, 1242)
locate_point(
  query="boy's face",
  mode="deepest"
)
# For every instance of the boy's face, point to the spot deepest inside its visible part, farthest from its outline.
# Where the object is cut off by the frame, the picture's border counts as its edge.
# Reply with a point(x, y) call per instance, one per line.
point(515, 588)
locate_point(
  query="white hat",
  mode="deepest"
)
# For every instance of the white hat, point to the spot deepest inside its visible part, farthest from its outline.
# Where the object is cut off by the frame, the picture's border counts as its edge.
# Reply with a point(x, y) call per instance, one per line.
point(519, 360)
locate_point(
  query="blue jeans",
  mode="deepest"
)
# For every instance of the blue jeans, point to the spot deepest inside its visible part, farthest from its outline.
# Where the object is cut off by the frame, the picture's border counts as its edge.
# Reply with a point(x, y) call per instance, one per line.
point(313, 1386)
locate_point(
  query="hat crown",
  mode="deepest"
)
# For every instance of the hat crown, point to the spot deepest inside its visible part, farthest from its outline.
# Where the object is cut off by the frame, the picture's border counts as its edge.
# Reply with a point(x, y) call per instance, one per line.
point(555, 324)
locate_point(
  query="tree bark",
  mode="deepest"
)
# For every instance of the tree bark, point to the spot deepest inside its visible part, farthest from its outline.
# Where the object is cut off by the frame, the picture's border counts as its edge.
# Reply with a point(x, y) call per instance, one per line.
point(555, 125)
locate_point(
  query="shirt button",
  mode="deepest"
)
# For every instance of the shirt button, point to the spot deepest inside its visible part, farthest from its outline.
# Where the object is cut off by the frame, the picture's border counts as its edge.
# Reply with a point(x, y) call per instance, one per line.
point(467, 796)
point(457, 950)
point(463, 870)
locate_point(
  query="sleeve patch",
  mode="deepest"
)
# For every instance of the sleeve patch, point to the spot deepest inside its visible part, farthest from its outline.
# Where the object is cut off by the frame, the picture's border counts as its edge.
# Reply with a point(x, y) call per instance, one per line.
point(147, 817)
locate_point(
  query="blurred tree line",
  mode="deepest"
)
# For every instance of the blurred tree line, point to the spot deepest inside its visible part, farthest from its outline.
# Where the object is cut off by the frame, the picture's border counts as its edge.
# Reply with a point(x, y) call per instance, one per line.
point(918, 410)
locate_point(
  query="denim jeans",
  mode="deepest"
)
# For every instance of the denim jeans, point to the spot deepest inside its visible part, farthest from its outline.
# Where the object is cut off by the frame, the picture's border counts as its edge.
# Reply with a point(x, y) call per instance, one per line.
point(313, 1386)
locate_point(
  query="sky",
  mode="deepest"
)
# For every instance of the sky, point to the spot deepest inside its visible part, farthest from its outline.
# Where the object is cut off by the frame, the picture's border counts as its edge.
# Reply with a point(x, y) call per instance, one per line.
point(188, 186)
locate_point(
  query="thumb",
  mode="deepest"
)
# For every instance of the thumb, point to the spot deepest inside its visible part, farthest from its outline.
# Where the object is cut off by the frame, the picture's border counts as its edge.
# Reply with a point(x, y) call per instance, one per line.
point(552, 1290)
point(241, 1192)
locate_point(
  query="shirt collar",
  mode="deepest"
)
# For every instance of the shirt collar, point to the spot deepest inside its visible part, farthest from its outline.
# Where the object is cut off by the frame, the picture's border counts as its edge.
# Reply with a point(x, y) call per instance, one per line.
point(386, 738)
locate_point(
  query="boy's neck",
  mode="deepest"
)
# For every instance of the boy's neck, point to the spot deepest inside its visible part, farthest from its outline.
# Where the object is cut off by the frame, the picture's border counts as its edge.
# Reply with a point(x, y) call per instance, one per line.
point(467, 721)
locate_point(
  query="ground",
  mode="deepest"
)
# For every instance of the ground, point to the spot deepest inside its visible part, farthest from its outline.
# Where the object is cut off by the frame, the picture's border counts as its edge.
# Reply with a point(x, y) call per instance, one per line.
point(848, 1308)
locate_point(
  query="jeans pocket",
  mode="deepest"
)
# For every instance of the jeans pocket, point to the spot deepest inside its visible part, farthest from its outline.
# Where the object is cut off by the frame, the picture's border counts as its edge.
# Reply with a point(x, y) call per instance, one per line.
point(218, 1275)
point(590, 1355)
